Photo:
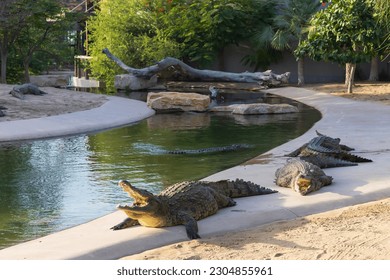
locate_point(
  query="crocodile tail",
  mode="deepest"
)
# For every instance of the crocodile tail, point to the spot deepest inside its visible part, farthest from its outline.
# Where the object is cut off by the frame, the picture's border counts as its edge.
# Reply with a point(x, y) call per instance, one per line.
point(327, 162)
point(351, 157)
point(240, 188)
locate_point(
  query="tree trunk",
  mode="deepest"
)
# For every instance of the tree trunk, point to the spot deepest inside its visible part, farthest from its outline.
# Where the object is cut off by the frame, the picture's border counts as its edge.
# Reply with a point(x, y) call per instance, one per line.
point(221, 60)
point(26, 66)
point(374, 70)
point(301, 77)
point(180, 71)
point(347, 73)
point(351, 76)
point(3, 57)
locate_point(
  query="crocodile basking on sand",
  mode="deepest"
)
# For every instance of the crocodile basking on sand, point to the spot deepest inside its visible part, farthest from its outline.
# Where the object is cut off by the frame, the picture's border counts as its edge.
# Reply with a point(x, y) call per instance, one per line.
point(301, 176)
point(19, 91)
point(183, 203)
point(326, 152)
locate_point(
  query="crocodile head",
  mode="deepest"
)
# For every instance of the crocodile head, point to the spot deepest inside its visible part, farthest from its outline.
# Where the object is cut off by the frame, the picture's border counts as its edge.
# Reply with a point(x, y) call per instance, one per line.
point(147, 208)
point(305, 184)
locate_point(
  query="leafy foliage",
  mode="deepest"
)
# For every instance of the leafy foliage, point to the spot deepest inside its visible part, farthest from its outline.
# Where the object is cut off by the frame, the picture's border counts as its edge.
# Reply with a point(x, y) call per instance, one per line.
point(344, 32)
point(27, 28)
point(382, 9)
point(143, 31)
point(132, 30)
point(291, 23)
point(206, 27)
point(288, 28)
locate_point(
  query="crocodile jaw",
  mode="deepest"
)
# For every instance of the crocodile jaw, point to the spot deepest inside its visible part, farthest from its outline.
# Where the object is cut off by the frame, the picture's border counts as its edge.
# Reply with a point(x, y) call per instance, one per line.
point(140, 196)
point(303, 185)
point(147, 208)
point(144, 215)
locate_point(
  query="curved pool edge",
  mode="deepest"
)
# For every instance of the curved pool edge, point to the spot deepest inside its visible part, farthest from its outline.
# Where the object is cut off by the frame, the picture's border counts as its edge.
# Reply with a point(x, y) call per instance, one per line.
point(352, 121)
point(115, 112)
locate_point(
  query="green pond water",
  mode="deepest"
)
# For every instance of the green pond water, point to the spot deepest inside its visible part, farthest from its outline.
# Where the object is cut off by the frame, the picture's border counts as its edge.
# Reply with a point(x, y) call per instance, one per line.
point(50, 185)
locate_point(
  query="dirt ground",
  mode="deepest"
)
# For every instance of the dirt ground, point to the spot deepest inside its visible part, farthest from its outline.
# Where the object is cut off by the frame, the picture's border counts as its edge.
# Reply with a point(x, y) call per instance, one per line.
point(55, 102)
point(358, 232)
point(365, 91)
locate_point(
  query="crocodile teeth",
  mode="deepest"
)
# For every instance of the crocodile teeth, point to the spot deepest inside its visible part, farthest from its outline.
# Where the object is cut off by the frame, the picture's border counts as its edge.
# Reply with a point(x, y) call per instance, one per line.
point(123, 206)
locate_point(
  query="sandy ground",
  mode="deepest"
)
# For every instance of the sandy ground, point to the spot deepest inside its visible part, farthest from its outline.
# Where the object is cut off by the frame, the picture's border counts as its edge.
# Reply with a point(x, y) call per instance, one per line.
point(377, 92)
point(55, 102)
point(358, 232)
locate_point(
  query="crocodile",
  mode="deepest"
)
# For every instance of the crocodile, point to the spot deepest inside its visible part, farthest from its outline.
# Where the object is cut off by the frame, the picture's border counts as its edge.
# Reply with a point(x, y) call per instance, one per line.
point(19, 91)
point(155, 149)
point(183, 203)
point(301, 176)
point(327, 152)
point(2, 114)
point(229, 148)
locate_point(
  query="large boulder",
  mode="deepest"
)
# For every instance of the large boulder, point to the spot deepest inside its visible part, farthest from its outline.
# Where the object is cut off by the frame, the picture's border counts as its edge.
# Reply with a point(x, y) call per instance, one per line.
point(178, 101)
point(257, 109)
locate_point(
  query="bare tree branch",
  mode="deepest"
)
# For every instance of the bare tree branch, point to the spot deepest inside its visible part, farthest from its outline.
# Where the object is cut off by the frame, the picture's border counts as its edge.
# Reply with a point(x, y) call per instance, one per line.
point(188, 73)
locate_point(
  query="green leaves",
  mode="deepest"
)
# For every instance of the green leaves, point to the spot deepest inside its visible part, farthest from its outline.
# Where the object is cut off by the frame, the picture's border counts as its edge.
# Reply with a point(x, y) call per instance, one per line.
point(135, 31)
point(344, 32)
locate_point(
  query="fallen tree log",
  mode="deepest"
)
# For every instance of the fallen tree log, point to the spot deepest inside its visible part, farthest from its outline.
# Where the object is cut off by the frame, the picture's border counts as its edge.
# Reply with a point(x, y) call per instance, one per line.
point(174, 69)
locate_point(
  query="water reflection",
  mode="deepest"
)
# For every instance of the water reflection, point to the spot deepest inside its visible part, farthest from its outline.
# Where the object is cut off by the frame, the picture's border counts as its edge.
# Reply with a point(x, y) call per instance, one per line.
point(50, 185)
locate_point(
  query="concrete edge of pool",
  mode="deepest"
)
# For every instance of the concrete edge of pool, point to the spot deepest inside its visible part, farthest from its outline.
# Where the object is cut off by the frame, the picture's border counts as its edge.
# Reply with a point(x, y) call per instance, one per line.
point(362, 125)
point(113, 113)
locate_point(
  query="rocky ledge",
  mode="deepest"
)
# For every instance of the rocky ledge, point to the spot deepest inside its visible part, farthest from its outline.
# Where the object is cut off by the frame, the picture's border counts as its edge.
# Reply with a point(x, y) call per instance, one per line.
point(178, 101)
point(163, 102)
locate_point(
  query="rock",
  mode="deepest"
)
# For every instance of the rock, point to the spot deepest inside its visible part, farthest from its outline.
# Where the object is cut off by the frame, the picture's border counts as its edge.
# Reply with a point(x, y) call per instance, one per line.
point(257, 109)
point(178, 101)
point(130, 82)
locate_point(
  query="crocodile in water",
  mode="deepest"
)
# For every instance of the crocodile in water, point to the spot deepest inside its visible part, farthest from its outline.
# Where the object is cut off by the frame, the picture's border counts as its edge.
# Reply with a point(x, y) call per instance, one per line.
point(229, 148)
point(183, 203)
point(158, 150)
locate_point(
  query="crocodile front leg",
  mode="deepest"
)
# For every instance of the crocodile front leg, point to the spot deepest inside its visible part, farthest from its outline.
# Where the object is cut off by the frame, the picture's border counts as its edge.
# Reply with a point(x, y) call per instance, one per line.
point(190, 224)
point(128, 222)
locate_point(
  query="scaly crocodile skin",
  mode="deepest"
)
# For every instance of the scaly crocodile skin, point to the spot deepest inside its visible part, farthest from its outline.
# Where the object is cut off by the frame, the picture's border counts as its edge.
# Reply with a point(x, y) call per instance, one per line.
point(184, 203)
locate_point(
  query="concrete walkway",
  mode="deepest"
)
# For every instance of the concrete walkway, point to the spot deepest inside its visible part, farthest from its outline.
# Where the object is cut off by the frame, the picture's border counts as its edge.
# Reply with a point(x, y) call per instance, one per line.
point(115, 112)
point(362, 125)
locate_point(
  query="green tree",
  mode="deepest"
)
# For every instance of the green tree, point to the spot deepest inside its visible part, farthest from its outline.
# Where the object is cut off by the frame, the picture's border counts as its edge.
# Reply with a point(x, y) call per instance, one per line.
point(132, 30)
point(28, 26)
point(13, 18)
point(382, 15)
point(382, 8)
point(46, 32)
point(197, 31)
point(345, 32)
point(289, 28)
point(205, 28)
